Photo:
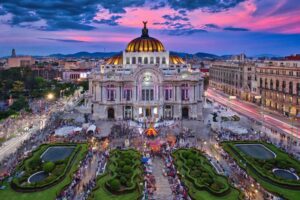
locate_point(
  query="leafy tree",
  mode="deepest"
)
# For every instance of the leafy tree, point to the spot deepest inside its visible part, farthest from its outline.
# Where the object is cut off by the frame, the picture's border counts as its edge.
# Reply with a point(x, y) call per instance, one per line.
point(48, 167)
point(35, 162)
point(18, 87)
point(115, 184)
point(40, 82)
point(19, 104)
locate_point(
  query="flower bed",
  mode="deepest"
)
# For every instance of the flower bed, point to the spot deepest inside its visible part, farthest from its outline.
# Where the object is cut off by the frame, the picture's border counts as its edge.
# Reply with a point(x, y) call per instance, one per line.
point(200, 176)
point(262, 169)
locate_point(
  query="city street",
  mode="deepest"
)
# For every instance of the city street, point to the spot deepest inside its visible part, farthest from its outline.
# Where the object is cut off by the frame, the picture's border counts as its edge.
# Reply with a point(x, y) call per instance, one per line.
point(269, 119)
point(38, 121)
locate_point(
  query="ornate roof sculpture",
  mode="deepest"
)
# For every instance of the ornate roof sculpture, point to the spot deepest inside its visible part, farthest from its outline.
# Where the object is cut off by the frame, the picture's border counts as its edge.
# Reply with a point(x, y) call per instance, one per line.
point(145, 43)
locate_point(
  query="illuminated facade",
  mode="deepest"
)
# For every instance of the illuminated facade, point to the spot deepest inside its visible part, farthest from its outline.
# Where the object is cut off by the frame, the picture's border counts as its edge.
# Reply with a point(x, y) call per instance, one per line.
point(234, 78)
point(145, 82)
point(279, 85)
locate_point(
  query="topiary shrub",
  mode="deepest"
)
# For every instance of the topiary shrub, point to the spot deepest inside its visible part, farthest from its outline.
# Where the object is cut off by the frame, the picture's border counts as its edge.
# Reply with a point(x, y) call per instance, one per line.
point(121, 163)
point(35, 162)
point(189, 162)
point(123, 180)
point(216, 186)
point(115, 184)
point(48, 167)
point(127, 169)
point(127, 161)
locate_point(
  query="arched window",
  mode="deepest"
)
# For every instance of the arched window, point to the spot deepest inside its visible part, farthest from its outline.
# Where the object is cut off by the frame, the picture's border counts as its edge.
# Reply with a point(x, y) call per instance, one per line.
point(298, 89)
point(127, 60)
point(266, 83)
point(145, 60)
point(163, 60)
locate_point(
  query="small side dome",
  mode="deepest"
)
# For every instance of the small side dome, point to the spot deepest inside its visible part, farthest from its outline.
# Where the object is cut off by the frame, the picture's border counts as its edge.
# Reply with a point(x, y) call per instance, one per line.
point(115, 60)
point(174, 59)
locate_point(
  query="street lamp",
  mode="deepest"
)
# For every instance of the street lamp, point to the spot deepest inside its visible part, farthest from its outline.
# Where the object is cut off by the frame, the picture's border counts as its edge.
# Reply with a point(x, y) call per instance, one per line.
point(50, 96)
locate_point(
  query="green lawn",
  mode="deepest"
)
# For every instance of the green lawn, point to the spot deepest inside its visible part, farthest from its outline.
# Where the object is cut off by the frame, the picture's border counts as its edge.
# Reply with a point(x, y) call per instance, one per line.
point(49, 194)
point(101, 192)
point(258, 171)
point(202, 192)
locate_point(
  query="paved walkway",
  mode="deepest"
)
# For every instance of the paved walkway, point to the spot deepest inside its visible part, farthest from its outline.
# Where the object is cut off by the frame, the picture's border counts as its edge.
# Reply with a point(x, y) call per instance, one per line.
point(89, 174)
point(163, 190)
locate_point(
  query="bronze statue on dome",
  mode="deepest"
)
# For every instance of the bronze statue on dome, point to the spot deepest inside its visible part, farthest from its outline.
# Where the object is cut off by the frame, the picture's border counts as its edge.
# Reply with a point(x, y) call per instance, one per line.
point(145, 30)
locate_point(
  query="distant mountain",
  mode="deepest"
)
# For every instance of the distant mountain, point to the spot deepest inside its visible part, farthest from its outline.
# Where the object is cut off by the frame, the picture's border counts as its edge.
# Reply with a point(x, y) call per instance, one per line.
point(206, 55)
point(198, 55)
point(84, 54)
point(110, 54)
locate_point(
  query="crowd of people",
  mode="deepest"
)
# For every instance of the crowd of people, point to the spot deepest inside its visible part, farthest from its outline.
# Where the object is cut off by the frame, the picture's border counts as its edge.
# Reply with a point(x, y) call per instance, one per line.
point(9, 163)
point(84, 180)
point(178, 188)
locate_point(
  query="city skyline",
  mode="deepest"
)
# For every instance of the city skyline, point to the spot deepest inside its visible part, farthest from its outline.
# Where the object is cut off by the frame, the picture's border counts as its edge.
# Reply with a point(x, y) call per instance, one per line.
point(219, 27)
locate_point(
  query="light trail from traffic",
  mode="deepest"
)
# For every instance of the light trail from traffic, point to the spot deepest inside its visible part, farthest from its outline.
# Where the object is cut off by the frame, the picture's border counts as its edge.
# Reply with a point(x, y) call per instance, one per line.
point(254, 113)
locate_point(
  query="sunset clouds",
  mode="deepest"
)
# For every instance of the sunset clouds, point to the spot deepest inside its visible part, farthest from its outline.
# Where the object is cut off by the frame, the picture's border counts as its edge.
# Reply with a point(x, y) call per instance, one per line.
point(112, 23)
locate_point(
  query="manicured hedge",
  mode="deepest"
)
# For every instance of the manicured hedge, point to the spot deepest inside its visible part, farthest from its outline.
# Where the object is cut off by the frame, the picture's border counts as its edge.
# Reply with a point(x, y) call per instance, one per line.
point(51, 191)
point(261, 170)
point(123, 171)
point(122, 177)
point(33, 164)
point(197, 170)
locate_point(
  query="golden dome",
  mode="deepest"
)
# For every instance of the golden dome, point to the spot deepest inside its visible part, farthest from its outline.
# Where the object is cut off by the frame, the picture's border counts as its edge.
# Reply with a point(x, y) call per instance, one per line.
point(145, 43)
point(115, 60)
point(174, 59)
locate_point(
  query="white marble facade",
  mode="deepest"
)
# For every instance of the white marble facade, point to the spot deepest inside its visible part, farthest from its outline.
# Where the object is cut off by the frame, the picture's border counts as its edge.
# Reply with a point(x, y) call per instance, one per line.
point(165, 89)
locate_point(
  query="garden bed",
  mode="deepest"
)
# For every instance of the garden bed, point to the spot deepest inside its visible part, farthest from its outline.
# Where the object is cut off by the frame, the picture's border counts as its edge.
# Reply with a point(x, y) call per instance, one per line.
point(20, 189)
point(201, 178)
point(263, 169)
point(122, 177)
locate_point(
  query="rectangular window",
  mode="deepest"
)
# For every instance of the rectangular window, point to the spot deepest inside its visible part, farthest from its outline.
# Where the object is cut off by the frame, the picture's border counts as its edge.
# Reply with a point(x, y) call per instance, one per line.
point(168, 94)
point(184, 94)
point(111, 94)
point(147, 95)
point(157, 60)
point(139, 60)
point(127, 61)
point(151, 60)
point(127, 95)
point(143, 95)
point(151, 95)
point(133, 60)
